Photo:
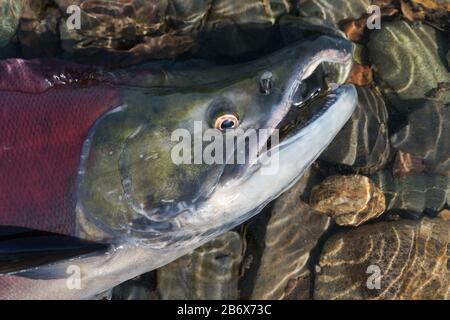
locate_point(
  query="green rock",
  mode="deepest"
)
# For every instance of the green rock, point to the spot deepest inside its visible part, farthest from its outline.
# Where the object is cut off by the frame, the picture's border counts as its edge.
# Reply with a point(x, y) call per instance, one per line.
point(407, 58)
point(10, 12)
point(415, 193)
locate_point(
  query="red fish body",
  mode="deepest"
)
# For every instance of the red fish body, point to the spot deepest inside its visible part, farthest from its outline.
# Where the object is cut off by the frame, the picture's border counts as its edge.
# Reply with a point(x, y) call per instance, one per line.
point(46, 111)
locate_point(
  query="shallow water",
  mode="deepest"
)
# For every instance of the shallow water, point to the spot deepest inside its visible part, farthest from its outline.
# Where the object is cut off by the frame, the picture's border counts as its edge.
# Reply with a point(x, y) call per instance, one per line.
point(328, 234)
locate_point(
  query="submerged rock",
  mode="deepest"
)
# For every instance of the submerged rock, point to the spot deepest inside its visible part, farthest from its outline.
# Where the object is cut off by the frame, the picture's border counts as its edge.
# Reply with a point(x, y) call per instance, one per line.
point(363, 143)
point(293, 230)
point(210, 272)
point(130, 31)
point(427, 136)
point(333, 10)
point(415, 192)
point(349, 200)
point(10, 13)
point(389, 260)
point(123, 32)
point(407, 58)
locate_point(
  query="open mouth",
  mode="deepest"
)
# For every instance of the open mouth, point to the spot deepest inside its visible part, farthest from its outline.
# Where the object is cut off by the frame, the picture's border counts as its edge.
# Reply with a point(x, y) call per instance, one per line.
point(306, 103)
point(312, 97)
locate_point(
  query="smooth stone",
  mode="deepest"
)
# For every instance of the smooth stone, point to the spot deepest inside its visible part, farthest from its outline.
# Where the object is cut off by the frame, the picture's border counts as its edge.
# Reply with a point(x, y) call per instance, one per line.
point(408, 58)
point(427, 136)
point(10, 13)
point(389, 260)
point(333, 11)
point(363, 143)
point(415, 193)
point(348, 200)
point(210, 272)
point(292, 231)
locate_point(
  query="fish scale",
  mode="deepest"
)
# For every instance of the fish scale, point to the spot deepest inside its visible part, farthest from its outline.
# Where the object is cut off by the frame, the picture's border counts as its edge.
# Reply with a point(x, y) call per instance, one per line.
point(41, 140)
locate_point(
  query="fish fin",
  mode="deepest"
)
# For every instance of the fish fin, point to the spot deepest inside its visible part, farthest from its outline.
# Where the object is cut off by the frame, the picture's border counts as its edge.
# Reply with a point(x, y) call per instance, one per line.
point(22, 249)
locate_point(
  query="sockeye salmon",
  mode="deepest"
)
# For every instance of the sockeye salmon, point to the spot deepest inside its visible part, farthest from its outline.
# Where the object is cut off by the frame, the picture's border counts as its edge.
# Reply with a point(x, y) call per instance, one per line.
point(87, 177)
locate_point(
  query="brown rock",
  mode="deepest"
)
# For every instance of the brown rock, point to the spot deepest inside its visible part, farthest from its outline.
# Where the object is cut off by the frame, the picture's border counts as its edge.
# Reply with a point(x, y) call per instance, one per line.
point(445, 214)
point(349, 200)
point(404, 259)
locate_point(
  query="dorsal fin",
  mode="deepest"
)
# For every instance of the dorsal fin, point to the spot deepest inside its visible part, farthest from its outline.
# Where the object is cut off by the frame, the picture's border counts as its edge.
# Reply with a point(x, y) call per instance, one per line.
point(22, 249)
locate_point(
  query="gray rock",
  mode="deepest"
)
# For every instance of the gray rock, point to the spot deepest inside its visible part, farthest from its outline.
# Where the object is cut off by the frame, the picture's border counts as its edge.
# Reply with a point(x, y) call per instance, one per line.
point(363, 143)
point(407, 58)
point(10, 13)
point(427, 136)
point(415, 193)
point(210, 272)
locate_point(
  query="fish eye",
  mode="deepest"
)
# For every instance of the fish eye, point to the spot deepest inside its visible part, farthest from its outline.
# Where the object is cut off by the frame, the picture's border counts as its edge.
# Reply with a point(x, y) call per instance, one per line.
point(226, 121)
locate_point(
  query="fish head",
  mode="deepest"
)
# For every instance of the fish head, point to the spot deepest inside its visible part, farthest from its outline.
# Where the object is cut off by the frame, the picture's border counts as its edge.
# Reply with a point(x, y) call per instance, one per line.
point(158, 170)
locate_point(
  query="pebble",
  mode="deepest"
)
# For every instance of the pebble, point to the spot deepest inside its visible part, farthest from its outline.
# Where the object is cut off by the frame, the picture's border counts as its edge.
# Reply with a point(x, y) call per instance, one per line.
point(349, 200)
